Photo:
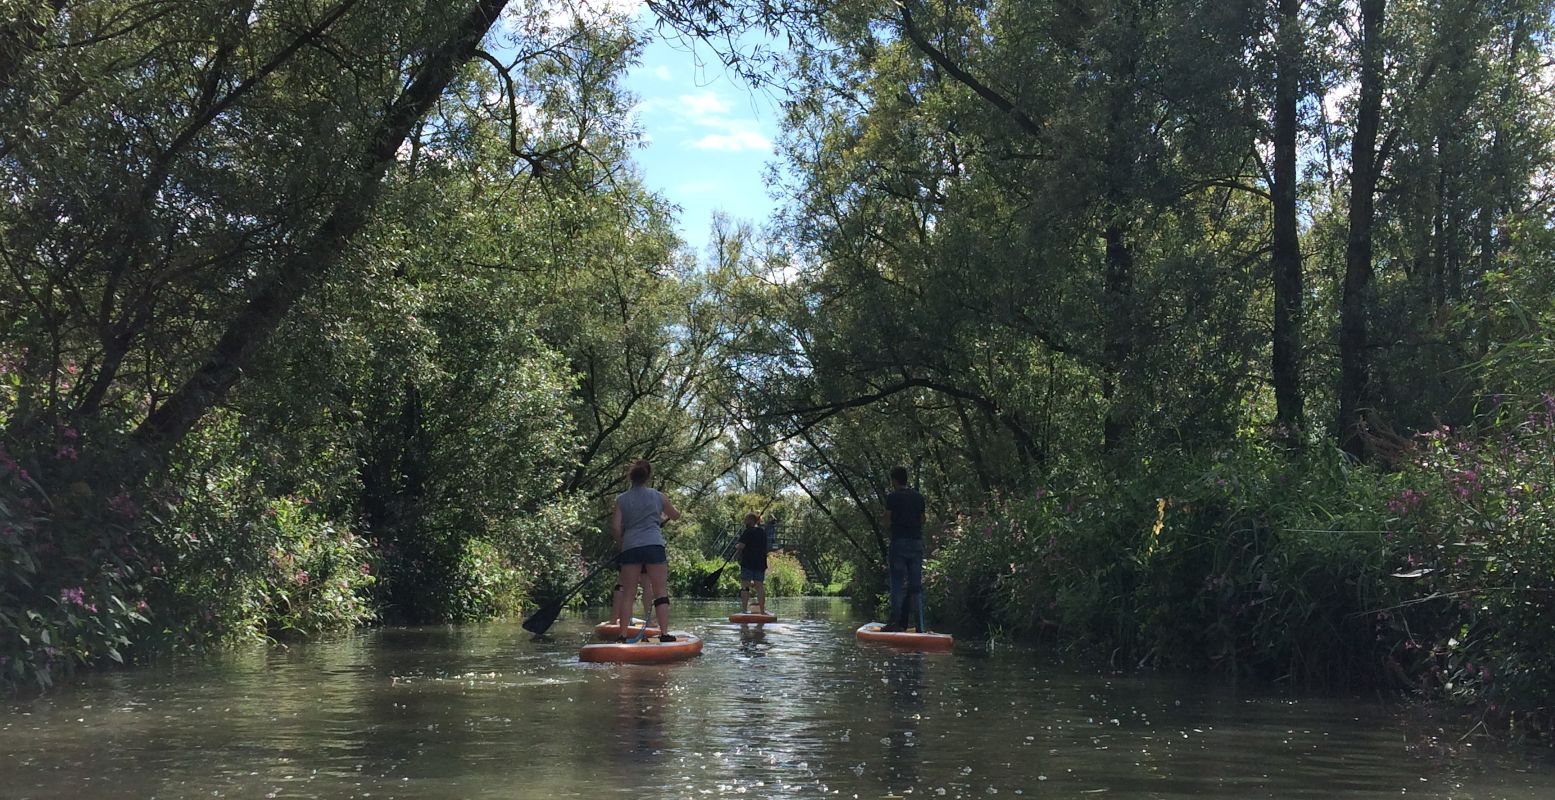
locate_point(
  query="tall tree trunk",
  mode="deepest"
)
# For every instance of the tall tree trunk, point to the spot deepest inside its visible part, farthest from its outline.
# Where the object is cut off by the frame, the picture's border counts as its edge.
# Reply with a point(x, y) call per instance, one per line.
point(1118, 291)
point(280, 290)
point(1354, 361)
point(1290, 410)
point(1121, 316)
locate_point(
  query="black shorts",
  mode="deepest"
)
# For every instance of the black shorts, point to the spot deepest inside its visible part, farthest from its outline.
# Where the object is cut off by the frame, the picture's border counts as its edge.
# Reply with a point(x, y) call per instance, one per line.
point(645, 555)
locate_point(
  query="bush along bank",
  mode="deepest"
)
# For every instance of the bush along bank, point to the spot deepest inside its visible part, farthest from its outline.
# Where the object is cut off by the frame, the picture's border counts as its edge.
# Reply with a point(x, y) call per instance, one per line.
point(212, 558)
point(1435, 576)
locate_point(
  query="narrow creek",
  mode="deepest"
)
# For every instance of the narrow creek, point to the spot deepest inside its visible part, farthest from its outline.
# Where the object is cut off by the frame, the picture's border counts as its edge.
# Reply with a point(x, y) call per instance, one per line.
point(803, 710)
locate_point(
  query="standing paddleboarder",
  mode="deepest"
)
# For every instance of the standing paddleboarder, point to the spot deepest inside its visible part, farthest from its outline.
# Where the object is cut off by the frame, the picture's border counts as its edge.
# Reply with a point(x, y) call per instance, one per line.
point(639, 514)
point(904, 509)
point(751, 552)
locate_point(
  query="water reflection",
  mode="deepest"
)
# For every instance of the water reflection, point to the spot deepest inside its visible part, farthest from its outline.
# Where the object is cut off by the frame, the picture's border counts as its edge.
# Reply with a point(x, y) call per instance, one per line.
point(640, 701)
point(904, 709)
point(796, 708)
point(750, 637)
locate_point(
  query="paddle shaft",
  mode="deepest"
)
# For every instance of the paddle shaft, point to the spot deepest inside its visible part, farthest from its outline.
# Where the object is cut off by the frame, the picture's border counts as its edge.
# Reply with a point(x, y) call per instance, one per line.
point(547, 613)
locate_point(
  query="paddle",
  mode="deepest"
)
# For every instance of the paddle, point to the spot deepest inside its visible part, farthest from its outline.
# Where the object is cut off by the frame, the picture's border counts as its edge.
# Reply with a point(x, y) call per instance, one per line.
point(540, 621)
point(709, 582)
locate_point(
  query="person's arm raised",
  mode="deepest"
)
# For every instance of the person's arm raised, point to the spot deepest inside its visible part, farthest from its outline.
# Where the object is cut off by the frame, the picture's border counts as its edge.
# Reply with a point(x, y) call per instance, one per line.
point(670, 511)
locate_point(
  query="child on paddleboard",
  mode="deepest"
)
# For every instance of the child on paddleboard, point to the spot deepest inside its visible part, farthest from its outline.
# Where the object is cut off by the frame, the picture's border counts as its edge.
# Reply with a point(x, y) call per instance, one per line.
point(751, 553)
point(636, 523)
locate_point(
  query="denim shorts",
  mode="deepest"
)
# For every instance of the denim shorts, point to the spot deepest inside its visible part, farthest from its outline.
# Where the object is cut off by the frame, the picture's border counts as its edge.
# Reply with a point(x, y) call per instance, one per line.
point(758, 575)
point(645, 555)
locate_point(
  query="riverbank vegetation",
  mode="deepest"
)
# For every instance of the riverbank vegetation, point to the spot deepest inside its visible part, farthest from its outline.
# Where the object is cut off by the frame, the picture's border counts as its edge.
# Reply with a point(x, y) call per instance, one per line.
point(1217, 334)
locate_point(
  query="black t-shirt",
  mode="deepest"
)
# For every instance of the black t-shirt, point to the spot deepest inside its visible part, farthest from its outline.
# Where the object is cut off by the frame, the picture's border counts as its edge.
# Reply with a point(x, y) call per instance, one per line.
point(906, 507)
point(754, 556)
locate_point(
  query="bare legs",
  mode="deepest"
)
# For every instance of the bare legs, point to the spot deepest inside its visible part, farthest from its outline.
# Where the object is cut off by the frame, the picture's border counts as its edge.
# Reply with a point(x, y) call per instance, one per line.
point(761, 596)
point(622, 602)
point(658, 576)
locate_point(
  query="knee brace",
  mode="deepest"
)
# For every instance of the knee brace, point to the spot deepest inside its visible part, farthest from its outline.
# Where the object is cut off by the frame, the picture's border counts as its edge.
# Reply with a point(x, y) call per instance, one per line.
point(662, 601)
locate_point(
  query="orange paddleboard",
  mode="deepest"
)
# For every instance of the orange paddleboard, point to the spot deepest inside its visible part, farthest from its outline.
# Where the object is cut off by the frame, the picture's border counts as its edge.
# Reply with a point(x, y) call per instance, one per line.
point(911, 639)
point(647, 651)
point(745, 617)
point(610, 630)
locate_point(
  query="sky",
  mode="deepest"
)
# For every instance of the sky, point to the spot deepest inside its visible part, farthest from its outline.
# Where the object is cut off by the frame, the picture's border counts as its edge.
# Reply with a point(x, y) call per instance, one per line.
point(707, 136)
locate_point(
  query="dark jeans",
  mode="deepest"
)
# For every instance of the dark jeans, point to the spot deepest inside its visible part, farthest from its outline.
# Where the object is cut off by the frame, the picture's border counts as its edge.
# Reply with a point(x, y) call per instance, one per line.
point(905, 559)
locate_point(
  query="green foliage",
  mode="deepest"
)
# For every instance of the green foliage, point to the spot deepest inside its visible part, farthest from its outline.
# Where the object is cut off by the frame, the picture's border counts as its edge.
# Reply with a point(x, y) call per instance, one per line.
point(840, 582)
point(1296, 568)
point(688, 575)
point(1251, 562)
point(785, 577)
point(242, 566)
point(1480, 549)
point(490, 317)
point(73, 578)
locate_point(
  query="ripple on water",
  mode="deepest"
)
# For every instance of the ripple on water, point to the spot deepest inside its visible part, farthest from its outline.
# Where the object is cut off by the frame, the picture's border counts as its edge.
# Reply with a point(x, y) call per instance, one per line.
point(797, 708)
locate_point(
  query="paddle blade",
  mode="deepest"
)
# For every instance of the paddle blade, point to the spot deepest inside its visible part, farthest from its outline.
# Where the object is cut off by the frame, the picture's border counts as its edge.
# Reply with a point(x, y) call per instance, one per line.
point(541, 621)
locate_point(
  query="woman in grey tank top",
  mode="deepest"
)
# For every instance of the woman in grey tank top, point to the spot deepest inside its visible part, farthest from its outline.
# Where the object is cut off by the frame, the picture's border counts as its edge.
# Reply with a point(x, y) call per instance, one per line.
point(639, 514)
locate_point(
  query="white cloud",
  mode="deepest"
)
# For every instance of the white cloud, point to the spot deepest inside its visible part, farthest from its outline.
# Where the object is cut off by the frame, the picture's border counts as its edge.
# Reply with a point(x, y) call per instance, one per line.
point(707, 121)
point(663, 73)
point(734, 142)
point(703, 104)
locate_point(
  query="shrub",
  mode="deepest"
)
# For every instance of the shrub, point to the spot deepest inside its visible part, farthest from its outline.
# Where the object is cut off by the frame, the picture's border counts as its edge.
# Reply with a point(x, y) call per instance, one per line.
point(72, 577)
point(785, 576)
point(1480, 555)
point(1439, 575)
point(688, 573)
point(240, 566)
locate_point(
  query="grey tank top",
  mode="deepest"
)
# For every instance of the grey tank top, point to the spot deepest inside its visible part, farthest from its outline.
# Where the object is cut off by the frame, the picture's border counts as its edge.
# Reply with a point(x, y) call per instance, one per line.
point(641, 508)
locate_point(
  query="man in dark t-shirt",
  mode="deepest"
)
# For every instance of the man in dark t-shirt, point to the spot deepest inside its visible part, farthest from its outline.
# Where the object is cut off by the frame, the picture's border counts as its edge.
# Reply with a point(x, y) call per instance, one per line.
point(904, 508)
point(751, 552)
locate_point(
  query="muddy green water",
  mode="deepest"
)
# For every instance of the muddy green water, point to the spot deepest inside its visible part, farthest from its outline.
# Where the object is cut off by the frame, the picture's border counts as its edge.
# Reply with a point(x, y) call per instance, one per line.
point(803, 711)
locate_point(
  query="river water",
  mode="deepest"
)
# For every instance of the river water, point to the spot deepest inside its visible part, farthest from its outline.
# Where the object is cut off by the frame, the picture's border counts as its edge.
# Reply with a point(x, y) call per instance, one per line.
point(484, 711)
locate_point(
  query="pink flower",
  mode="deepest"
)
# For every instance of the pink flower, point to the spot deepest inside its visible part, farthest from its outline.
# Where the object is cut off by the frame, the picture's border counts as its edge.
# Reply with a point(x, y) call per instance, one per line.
point(301, 577)
point(1406, 501)
point(65, 453)
point(367, 569)
point(1465, 483)
point(74, 595)
point(123, 505)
